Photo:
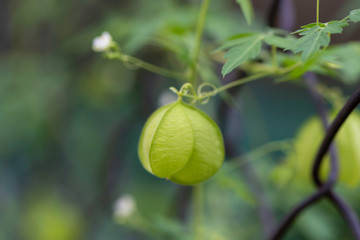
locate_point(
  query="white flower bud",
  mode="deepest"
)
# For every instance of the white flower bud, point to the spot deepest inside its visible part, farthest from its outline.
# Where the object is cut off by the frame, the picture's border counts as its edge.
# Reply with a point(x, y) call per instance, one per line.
point(102, 43)
point(125, 206)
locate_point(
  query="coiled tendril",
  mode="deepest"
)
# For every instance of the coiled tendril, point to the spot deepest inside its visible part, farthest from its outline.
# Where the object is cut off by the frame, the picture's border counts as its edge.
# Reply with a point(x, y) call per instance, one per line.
point(200, 95)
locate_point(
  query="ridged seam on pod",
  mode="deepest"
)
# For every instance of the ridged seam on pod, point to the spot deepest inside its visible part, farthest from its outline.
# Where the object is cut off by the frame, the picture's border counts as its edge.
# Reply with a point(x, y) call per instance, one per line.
point(181, 143)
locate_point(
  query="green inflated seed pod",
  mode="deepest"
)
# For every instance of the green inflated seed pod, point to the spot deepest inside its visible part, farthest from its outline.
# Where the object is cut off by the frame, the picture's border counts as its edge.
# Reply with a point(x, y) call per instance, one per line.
point(181, 143)
point(347, 142)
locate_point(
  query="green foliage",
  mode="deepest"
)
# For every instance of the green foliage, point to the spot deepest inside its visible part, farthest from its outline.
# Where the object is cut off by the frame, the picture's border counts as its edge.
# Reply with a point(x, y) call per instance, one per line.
point(313, 38)
point(247, 9)
point(345, 58)
point(311, 41)
point(72, 119)
point(49, 218)
point(286, 42)
point(316, 36)
point(355, 15)
point(248, 48)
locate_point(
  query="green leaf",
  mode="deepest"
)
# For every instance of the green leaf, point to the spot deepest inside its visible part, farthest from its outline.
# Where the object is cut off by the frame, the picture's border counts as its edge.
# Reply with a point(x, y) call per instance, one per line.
point(315, 36)
point(308, 26)
point(335, 27)
point(237, 55)
point(313, 39)
point(355, 15)
point(346, 59)
point(312, 64)
point(281, 42)
point(247, 9)
point(234, 41)
point(311, 25)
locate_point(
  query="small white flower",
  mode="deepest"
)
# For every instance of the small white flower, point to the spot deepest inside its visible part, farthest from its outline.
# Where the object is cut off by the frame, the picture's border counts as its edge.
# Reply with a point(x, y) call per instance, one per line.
point(125, 206)
point(102, 43)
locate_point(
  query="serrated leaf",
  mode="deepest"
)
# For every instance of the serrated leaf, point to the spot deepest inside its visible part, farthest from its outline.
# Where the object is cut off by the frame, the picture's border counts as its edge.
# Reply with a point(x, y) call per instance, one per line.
point(237, 55)
point(315, 36)
point(347, 58)
point(335, 27)
point(310, 26)
point(234, 41)
point(309, 65)
point(247, 9)
point(313, 39)
point(355, 15)
point(281, 42)
point(308, 31)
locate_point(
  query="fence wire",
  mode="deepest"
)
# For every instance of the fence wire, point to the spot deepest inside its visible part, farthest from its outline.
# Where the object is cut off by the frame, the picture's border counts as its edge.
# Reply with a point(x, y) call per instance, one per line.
point(324, 189)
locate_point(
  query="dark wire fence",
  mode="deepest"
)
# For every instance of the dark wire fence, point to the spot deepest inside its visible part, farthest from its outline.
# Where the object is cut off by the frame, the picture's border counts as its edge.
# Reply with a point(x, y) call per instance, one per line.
point(324, 189)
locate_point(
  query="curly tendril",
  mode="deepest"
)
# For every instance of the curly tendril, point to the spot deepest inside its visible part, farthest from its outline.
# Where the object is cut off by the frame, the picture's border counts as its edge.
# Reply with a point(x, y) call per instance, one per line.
point(187, 90)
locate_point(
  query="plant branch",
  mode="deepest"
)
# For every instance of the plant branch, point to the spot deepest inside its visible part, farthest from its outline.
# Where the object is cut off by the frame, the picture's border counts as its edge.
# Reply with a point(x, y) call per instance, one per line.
point(145, 65)
point(198, 38)
point(317, 12)
point(241, 81)
point(198, 208)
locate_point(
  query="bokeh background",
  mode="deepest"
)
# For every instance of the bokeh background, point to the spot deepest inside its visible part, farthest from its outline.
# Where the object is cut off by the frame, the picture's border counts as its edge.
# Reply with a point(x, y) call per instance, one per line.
point(70, 121)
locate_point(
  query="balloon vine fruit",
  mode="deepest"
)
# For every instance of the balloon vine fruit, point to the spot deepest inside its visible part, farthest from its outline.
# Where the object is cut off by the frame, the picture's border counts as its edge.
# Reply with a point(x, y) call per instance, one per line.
point(181, 143)
point(347, 143)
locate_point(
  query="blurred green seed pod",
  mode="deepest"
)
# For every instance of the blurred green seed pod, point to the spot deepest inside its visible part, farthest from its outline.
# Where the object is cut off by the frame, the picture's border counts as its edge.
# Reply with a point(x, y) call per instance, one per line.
point(181, 143)
point(308, 140)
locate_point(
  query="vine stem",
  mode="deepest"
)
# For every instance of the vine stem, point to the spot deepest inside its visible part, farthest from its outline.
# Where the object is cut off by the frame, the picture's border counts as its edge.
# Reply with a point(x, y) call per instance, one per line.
point(257, 154)
point(242, 81)
point(255, 77)
point(198, 38)
point(145, 65)
point(198, 200)
point(317, 12)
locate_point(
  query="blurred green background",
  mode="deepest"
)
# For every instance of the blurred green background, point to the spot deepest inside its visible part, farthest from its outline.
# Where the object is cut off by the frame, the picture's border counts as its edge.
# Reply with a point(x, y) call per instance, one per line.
point(70, 122)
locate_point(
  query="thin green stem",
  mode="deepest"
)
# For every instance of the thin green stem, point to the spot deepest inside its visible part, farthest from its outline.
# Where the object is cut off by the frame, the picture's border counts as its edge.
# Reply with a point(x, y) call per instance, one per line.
point(145, 65)
point(273, 56)
point(345, 19)
point(152, 68)
point(260, 152)
point(198, 39)
point(257, 154)
point(254, 77)
point(242, 81)
point(198, 200)
point(200, 96)
point(317, 12)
